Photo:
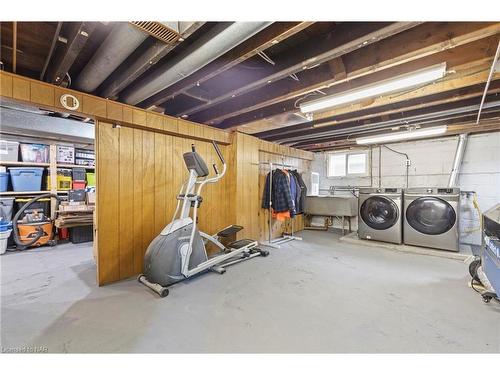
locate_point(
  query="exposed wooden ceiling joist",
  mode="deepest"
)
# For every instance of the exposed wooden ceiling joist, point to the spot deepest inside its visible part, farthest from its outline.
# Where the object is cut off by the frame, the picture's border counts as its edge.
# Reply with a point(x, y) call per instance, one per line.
point(488, 125)
point(426, 104)
point(345, 38)
point(416, 43)
point(77, 35)
point(461, 62)
point(157, 50)
point(275, 33)
point(438, 115)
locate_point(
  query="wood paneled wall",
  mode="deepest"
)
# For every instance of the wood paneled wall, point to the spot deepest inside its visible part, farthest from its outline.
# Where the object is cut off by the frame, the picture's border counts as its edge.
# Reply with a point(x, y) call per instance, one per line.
point(249, 176)
point(278, 228)
point(48, 96)
point(139, 174)
point(140, 169)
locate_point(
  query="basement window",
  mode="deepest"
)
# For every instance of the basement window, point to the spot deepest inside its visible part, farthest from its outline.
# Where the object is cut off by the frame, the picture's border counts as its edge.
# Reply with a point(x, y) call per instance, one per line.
point(347, 164)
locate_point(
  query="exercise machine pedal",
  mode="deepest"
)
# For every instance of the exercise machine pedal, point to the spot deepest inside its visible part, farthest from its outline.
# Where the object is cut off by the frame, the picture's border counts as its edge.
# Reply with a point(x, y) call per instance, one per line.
point(263, 253)
point(241, 243)
point(230, 230)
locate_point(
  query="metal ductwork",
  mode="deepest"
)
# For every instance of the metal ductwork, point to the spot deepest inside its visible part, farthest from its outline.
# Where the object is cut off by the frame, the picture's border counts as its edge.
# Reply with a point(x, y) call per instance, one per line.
point(123, 39)
point(457, 161)
point(18, 123)
point(119, 80)
point(220, 39)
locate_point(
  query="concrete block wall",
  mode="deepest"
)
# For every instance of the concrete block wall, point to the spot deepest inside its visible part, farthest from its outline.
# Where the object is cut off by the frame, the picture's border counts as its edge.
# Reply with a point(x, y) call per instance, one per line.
point(431, 163)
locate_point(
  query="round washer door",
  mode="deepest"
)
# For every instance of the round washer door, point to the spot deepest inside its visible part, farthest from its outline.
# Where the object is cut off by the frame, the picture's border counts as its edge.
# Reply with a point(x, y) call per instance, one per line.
point(379, 212)
point(431, 215)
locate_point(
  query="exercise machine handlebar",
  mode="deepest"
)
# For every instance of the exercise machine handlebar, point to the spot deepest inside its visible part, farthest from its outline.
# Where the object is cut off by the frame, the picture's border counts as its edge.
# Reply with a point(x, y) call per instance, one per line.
point(219, 153)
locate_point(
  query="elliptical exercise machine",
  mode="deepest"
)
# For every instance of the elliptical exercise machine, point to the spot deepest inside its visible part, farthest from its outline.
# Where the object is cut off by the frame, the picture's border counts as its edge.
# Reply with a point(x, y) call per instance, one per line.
point(179, 251)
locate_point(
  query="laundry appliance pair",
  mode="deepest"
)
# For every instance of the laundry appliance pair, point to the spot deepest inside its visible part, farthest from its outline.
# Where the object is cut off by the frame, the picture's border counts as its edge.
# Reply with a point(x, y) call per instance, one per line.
point(418, 216)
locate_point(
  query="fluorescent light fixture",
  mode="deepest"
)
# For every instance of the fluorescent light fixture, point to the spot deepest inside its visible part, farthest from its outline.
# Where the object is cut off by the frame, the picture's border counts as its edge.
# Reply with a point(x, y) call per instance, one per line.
point(401, 136)
point(387, 86)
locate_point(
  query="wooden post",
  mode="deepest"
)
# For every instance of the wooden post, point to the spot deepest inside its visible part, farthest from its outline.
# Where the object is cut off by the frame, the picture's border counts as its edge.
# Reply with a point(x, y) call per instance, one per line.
point(14, 46)
point(53, 178)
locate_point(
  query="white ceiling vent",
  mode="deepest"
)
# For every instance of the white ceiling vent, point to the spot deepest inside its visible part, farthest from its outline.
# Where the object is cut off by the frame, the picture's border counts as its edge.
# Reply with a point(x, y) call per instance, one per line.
point(159, 30)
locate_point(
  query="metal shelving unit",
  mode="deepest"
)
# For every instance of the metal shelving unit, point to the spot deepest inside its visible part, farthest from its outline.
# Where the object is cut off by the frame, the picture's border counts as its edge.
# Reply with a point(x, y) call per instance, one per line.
point(52, 183)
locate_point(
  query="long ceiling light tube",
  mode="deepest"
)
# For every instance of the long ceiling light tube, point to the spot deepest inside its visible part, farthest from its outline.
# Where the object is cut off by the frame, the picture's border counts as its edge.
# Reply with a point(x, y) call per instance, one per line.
point(382, 124)
point(401, 136)
point(405, 81)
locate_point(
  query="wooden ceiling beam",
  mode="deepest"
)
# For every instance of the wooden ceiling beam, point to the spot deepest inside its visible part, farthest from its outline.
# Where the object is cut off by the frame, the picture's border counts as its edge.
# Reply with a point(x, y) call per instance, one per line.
point(364, 129)
point(275, 33)
point(467, 58)
point(420, 105)
point(345, 38)
point(14, 46)
point(66, 54)
point(432, 113)
point(470, 127)
point(416, 43)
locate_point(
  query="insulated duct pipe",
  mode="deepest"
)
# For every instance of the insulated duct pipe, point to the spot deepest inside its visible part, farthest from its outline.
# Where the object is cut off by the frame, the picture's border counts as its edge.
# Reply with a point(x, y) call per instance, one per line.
point(118, 45)
point(220, 39)
point(457, 162)
point(148, 58)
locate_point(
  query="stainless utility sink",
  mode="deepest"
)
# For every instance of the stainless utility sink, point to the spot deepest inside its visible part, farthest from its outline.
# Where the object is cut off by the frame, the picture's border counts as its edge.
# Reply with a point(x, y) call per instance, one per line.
point(331, 205)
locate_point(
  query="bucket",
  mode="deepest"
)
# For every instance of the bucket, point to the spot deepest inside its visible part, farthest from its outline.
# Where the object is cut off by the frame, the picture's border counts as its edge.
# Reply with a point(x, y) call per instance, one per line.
point(4, 236)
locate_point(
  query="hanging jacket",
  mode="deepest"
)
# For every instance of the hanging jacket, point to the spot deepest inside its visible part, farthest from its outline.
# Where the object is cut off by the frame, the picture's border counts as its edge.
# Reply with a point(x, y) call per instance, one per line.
point(281, 195)
point(294, 191)
point(302, 193)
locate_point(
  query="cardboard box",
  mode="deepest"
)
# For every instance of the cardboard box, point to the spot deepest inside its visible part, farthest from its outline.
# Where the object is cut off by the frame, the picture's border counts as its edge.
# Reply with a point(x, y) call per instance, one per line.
point(74, 207)
point(65, 154)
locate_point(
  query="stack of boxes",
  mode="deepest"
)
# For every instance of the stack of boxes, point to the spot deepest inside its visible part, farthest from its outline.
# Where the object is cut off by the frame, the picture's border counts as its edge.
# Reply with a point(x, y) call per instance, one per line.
point(78, 178)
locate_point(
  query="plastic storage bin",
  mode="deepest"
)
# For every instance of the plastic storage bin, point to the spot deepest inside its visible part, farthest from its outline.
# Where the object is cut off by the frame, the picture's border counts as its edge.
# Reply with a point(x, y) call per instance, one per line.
point(26, 178)
point(64, 180)
point(6, 205)
point(81, 234)
point(9, 151)
point(34, 153)
point(77, 185)
point(78, 174)
point(84, 157)
point(76, 195)
point(4, 181)
point(90, 179)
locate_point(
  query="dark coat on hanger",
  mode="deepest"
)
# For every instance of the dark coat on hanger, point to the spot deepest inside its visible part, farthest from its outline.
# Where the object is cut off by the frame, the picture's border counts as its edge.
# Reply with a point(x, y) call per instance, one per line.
point(303, 192)
point(281, 195)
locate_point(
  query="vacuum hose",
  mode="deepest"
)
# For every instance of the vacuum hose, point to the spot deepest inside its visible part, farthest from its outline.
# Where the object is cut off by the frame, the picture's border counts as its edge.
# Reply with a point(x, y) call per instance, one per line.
point(17, 240)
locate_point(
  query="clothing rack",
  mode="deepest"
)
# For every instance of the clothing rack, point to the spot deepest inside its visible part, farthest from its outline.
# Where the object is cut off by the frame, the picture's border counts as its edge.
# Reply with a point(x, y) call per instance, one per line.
point(285, 237)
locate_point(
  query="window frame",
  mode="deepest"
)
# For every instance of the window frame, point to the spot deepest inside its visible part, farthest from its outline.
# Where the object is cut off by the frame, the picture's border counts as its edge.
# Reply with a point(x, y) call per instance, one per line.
point(346, 166)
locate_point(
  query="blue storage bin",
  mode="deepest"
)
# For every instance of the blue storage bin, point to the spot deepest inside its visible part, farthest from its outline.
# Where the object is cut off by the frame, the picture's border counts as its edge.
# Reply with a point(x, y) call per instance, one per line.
point(4, 181)
point(26, 178)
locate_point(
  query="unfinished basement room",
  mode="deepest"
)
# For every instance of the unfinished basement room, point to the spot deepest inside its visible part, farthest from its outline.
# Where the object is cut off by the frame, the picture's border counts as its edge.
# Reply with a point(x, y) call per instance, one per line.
point(236, 186)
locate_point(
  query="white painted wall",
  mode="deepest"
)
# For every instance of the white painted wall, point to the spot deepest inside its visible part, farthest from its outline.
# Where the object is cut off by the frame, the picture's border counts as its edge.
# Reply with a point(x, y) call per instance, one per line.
point(431, 163)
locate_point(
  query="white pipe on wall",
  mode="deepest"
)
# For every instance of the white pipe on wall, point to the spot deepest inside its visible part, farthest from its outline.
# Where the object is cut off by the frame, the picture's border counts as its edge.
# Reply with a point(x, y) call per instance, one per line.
point(457, 161)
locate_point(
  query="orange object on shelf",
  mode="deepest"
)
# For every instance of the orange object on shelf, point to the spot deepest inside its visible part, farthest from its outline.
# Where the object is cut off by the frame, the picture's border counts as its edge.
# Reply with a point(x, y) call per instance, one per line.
point(77, 185)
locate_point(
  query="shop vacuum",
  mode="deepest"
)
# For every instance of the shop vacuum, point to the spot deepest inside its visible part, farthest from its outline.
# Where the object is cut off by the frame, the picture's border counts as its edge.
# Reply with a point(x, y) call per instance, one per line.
point(35, 229)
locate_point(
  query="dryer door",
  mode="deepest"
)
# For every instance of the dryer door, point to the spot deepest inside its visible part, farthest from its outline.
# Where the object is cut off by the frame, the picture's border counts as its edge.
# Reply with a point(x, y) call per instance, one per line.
point(379, 212)
point(431, 215)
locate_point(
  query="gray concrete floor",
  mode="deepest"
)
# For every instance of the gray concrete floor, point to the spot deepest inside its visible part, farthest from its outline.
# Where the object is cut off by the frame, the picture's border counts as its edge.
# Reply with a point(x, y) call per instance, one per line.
point(318, 295)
